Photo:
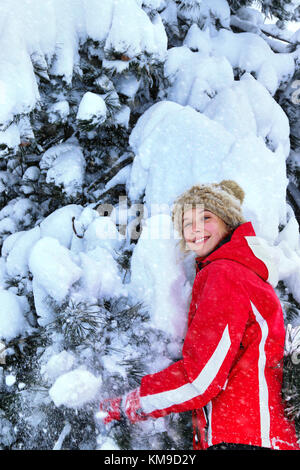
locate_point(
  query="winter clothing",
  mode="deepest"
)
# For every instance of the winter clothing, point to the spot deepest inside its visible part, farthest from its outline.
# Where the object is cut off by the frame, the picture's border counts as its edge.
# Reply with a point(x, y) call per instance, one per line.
point(230, 373)
point(224, 199)
point(128, 406)
point(112, 408)
point(132, 407)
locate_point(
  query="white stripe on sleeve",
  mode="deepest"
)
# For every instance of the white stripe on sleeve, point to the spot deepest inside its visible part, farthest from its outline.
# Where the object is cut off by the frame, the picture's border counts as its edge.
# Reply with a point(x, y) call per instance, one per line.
point(191, 390)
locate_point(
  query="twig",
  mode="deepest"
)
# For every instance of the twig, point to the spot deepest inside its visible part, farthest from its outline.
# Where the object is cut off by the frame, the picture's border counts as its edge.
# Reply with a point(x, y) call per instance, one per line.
point(74, 229)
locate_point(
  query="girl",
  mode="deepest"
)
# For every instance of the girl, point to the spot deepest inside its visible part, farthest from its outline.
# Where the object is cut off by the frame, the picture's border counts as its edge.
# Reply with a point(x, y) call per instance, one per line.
point(230, 373)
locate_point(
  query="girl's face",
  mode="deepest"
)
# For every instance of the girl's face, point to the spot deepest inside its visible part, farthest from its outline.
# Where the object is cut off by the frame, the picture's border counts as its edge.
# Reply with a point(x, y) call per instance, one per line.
point(203, 230)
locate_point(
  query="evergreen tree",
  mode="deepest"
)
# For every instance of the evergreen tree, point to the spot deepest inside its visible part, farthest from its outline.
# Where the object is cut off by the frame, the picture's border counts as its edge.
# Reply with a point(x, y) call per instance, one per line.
point(65, 161)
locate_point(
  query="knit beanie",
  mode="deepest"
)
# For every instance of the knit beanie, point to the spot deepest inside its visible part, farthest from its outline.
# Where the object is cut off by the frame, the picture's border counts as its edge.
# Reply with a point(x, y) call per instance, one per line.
point(223, 199)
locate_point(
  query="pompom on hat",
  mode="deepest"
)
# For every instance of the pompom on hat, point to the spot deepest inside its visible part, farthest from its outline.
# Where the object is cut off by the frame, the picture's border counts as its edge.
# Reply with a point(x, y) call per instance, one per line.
point(223, 199)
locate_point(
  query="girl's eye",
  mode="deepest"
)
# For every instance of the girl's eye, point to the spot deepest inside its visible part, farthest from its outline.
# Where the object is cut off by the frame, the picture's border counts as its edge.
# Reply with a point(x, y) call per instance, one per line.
point(187, 224)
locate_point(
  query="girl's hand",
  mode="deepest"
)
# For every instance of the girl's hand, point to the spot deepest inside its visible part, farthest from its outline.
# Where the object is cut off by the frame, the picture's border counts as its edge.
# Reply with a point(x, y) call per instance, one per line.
point(111, 408)
point(133, 408)
point(129, 406)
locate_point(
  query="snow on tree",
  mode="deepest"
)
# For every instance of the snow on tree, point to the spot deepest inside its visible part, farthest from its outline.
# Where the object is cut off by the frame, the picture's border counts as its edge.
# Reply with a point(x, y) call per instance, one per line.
point(109, 110)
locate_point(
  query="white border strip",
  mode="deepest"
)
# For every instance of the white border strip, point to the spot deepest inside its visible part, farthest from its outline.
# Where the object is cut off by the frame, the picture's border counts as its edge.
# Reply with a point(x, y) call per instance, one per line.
point(262, 383)
point(209, 431)
point(266, 254)
point(188, 391)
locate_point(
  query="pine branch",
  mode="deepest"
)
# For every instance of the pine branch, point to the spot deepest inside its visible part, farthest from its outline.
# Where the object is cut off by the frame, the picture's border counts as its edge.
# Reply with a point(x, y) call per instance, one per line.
point(78, 321)
point(104, 178)
point(38, 335)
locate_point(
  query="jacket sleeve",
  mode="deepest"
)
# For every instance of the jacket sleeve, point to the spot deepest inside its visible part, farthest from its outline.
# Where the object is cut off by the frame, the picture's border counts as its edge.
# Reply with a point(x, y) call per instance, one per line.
point(212, 341)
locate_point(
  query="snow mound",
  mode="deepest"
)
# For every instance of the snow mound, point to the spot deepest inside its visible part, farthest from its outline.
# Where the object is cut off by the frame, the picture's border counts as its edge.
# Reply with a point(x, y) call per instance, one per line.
point(100, 275)
point(16, 213)
point(132, 33)
point(74, 389)
point(195, 78)
point(12, 320)
point(247, 108)
point(203, 11)
point(92, 108)
point(58, 224)
point(52, 267)
point(171, 136)
point(200, 150)
point(64, 165)
point(165, 296)
point(102, 232)
point(21, 246)
point(251, 15)
point(250, 53)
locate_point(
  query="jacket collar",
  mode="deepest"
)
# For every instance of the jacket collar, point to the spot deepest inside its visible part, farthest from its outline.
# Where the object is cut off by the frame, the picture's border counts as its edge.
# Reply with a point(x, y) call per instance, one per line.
point(244, 247)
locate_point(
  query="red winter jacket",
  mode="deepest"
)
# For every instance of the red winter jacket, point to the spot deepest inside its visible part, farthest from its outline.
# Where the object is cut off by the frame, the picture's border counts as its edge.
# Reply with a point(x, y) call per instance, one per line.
point(230, 373)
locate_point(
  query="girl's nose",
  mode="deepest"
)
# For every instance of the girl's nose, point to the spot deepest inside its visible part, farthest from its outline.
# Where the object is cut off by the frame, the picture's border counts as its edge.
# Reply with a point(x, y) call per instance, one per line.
point(197, 226)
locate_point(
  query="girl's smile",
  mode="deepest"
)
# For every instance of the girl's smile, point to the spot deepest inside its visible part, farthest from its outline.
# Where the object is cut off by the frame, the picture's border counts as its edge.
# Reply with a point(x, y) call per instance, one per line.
point(203, 230)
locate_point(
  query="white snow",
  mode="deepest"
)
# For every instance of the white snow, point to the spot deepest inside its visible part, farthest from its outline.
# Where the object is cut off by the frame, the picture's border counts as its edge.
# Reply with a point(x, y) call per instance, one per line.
point(58, 224)
point(172, 136)
point(17, 258)
point(66, 430)
point(165, 296)
point(203, 11)
point(195, 78)
point(197, 40)
point(33, 33)
point(248, 104)
point(10, 380)
point(41, 298)
point(65, 167)
point(57, 365)
point(289, 268)
point(290, 233)
point(76, 388)
point(245, 51)
point(251, 53)
point(32, 173)
point(120, 178)
point(102, 232)
point(251, 14)
point(128, 85)
point(100, 275)
point(17, 213)
point(107, 443)
point(12, 320)
point(18, 87)
point(92, 108)
point(11, 135)
point(296, 36)
point(52, 267)
point(66, 33)
point(132, 33)
point(59, 111)
point(122, 116)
